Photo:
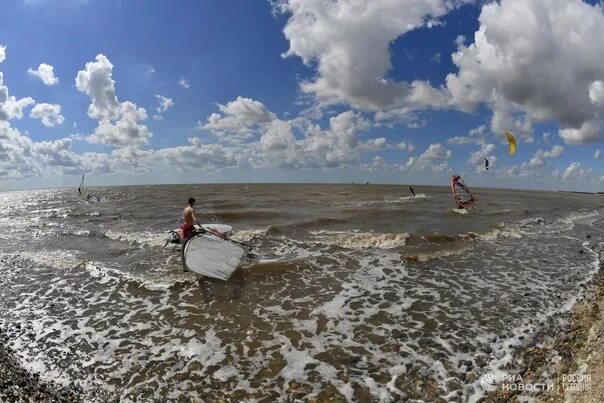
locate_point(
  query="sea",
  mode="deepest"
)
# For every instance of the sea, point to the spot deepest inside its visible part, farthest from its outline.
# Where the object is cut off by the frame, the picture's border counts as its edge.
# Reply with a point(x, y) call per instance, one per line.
point(354, 292)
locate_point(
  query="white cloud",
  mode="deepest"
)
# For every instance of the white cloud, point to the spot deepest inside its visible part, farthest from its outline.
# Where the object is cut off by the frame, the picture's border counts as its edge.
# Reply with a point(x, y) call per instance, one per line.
point(125, 131)
point(540, 156)
point(49, 114)
point(598, 154)
point(165, 103)
point(2, 53)
point(435, 158)
point(475, 136)
point(46, 73)
point(11, 107)
point(535, 61)
point(576, 172)
point(375, 144)
point(349, 42)
point(118, 122)
point(339, 144)
point(97, 83)
point(183, 83)
point(238, 118)
point(278, 137)
point(199, 155)
point(588, 132)
point(460, 40)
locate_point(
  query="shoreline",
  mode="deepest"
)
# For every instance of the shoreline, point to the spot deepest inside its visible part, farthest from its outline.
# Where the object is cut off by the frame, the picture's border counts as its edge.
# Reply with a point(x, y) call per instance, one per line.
point(568, 367)
point(19, 385)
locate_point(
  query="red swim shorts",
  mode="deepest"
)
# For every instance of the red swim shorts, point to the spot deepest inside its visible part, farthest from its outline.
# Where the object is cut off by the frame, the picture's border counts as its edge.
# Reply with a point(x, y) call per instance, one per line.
point(187, 229)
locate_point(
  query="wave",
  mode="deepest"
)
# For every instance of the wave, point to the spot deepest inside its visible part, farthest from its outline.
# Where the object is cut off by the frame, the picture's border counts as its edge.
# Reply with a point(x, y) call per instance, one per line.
point(362, 240)
point(426, 256)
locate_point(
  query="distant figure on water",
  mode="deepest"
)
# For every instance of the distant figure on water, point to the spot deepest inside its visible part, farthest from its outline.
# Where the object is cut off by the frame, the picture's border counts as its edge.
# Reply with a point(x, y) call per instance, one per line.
point(189, 217)
point(412, 190)
point(486, 164)
point(80, 191)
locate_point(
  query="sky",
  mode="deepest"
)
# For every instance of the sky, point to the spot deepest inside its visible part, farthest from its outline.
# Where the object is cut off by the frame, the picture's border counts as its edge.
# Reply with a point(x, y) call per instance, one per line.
point(385, 91)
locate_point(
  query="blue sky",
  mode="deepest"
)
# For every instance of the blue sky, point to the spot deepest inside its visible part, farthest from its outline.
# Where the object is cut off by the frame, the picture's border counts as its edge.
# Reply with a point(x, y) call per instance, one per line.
point(391, 91)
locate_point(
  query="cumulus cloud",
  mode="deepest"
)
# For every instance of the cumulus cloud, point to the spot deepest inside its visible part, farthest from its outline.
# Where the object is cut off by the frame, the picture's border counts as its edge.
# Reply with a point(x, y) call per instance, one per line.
point(540, 156)
point(534, 61)
point(2, 53)
point(576, 172)
point(586, 133)
point(118, 121)
point(339, 145)
point(435, 158)
point(46, 73)
point(183, 83)
point(11, 107)
point(199, 155)
point(125, 131)
point(349, 42)
point(49, 114)
point(598, 154)
point(238, 118)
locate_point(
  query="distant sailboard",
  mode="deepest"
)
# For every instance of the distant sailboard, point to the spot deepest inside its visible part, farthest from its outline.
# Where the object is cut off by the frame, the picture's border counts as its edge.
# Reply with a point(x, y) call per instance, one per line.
point(81, 187)
point(212, 256)
point(461, 193)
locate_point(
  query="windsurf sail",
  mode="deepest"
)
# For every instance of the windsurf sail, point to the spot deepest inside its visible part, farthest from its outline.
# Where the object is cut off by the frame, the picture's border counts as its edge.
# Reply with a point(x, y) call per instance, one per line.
point(81, 187)
point(511, 143)
point(486, 164)
point(461, 192)
point(212, 256)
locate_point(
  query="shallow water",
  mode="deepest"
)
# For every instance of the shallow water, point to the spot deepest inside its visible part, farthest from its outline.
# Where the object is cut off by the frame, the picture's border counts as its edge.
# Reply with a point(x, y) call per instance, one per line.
point(357, 292)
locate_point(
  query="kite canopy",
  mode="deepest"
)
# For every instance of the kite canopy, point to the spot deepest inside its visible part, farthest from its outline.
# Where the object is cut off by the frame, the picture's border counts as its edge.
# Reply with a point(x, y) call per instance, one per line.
point(511, 143)
point(461, 193)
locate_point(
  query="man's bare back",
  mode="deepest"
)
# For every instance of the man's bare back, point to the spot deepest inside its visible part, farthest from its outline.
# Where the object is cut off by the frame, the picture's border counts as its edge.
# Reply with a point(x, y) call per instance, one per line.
point(189, 215)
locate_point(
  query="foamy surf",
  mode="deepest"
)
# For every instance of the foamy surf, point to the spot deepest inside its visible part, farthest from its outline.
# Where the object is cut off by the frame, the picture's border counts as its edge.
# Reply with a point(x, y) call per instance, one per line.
point(335, 307)
point(361, 240)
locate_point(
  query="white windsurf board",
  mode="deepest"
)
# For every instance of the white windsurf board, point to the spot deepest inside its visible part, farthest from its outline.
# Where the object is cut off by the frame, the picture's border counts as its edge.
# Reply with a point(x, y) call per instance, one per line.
point(211, 256)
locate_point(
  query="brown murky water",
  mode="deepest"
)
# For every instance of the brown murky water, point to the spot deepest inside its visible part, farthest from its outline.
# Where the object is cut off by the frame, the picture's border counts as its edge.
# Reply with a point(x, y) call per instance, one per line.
point(357, 293)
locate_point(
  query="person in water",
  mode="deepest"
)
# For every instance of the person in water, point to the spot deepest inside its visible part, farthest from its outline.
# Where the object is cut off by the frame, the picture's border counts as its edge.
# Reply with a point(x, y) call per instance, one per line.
point(412, 190)
point(190, 218)
point(80, 191)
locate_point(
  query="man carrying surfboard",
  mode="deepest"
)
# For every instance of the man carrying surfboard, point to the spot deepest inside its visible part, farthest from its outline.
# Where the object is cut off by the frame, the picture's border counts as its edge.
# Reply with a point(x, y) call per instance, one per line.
point(190, 218)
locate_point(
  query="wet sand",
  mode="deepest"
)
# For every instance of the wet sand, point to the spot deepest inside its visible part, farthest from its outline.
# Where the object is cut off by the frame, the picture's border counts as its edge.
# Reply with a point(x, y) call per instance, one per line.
point(572, 363)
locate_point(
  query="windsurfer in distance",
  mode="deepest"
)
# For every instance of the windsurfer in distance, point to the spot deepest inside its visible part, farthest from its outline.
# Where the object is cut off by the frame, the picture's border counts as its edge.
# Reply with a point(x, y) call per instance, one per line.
point(412, 190)
point(189, 217)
